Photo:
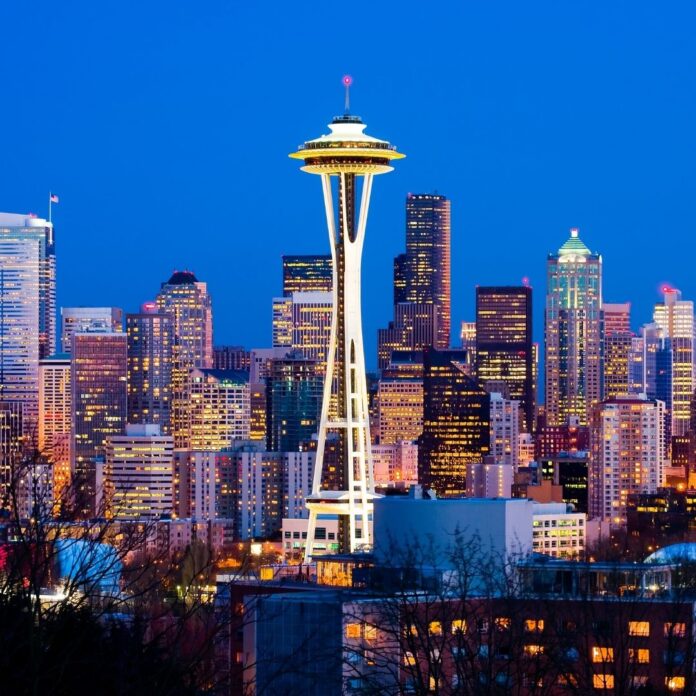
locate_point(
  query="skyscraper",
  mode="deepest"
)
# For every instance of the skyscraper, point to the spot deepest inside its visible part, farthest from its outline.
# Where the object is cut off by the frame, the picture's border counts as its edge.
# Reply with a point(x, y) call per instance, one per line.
point(309, 273)
point(414, 328)
point(311, 325)
point(294, 390)
point(88, 320)
point(573, 332)
point(627, 451)
point(55, 418)
point(150, 355)
point(187, 301)
point(28, 304)
point(456, 423)
point(505, 430)
point(99, 395)
point(231, 358)
point(218, 409)
point(504, 347)
point(422, 274)
point(676, 319)
point(617, 346)
point(139, 474)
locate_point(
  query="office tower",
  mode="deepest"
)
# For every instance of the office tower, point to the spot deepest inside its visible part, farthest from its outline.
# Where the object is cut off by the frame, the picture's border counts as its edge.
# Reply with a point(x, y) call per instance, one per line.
point(139, 474)
point(504, 348)
point(396, 465)
point(150, 355)
point(348, 156)
point(99, 396)
point(260, 362)
point(505, 430)
point(231, 358)
point(627, 451)
point(269, 487)
point(28, 304)
point(311, 325)
point(294, 391)
point(399, 409)
point(617, 344)
point(456, 423)
point(12, 447)
point(489, 479)
point(217, 409)
point(414, 328)
point(88, 320)
point(282, 322)
point(636, 366)
point(205, 485)
point(55, 417)
point(422, 274)
point(676, 319)
point(309, 273)
point(187, 301)
point(467, 335)
point(573, 335)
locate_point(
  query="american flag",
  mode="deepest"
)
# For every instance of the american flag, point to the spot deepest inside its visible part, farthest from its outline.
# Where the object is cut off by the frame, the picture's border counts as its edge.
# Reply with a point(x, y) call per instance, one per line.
point(54, 198)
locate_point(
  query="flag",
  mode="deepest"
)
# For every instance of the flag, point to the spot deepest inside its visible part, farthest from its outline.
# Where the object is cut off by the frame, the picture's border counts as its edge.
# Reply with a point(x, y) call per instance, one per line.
point(54, 198)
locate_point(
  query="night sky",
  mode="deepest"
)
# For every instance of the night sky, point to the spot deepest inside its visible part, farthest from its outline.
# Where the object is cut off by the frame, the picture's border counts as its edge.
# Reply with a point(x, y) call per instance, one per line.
point(164, 127)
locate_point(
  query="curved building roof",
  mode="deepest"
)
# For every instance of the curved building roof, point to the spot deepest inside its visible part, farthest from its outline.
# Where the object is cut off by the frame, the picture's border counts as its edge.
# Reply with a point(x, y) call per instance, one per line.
point(182, 278)
point(673, 553)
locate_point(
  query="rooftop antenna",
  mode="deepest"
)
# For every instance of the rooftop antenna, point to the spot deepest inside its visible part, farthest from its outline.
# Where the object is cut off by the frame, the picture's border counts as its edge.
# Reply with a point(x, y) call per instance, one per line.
point(347, 82)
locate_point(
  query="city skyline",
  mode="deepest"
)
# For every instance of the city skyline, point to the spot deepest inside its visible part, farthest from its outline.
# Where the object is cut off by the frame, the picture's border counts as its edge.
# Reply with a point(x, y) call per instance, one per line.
point(522, 162)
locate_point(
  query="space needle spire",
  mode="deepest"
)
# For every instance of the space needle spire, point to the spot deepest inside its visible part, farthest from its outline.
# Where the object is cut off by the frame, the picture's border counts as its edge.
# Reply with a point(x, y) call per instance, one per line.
point(346, 159)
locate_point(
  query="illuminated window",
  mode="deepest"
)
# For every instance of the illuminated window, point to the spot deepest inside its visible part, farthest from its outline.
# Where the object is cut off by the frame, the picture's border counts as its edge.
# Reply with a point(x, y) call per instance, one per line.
point(353, 630)
point(502, 622)
point(409, 659)
point(600, 654)
point(459, 626)
point(675, 683)
point(370, 632)
point(435, 628)
point(639, 655)
point(676, 630)
point(532, 650)
point(639, 628)
point(534, 625)
point(603, 681)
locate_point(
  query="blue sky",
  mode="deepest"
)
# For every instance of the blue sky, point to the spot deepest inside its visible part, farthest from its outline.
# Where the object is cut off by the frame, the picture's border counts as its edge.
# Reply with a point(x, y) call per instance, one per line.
point(165, 127)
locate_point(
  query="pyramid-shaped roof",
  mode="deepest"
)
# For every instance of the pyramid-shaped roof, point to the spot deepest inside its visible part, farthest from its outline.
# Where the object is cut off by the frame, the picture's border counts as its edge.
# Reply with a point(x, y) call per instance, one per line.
point(574, 246)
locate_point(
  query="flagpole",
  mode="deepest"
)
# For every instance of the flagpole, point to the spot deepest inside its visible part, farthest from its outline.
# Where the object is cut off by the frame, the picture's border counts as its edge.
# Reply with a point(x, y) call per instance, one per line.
point(49, 205)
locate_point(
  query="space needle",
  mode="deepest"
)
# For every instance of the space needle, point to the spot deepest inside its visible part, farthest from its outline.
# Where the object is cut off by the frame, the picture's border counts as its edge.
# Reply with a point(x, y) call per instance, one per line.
point(344, 159)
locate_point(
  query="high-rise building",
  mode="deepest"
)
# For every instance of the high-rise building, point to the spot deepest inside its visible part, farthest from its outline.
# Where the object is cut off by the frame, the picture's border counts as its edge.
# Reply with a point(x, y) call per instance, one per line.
point(282, 322)
point(308, 273)
point(187, 301)
point(150, 355)
point(12, 445)
point(627, 451)
point(349, 157)
point(88, 320)
point(399, 409)
point(573, 332)
point(467, 335)
point(99, 396)
point(139, 474)
point(676, 319)
point(414, 328)
point(422, 274)
point(396, 465)
point(294, 390)
point(617, 346)
point(217, 409)
point(456, 423)
point(231, 358)
point(28, 304)
point(55, 418)
point(504, 347)
point(505, 430)
point(311, 325)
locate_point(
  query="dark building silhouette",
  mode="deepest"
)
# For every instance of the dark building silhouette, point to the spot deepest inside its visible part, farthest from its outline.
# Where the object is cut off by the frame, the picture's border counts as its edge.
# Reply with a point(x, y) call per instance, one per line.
point(456, 422)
